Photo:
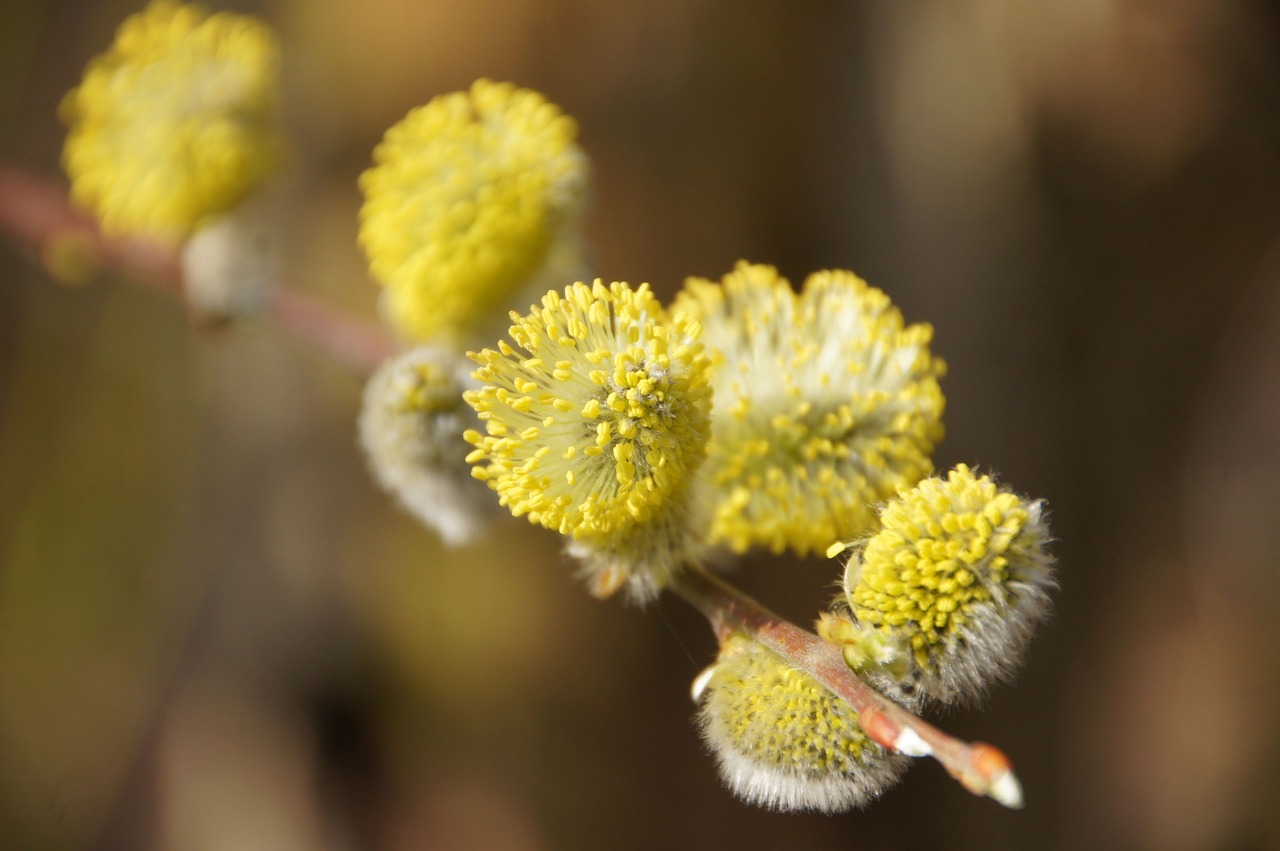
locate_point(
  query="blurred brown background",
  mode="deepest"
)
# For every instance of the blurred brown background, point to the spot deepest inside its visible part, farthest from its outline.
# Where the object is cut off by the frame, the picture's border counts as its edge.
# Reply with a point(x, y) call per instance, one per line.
point(215, 633)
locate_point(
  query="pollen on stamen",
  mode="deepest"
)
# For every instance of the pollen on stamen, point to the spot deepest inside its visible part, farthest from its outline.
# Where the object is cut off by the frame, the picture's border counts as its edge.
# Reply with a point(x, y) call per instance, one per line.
point(782, 740)
point(958, 576)
point(624, 439)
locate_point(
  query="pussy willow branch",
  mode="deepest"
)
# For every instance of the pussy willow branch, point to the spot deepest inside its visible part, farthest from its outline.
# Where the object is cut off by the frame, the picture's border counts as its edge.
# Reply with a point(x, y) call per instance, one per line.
point(35, 213)
point(980, 768)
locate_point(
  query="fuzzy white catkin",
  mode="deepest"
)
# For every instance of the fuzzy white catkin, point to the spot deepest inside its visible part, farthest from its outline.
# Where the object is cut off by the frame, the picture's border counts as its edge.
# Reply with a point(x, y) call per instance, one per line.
point(783, 741)
point(229, 262)
point(958, 577)
point(411, 427)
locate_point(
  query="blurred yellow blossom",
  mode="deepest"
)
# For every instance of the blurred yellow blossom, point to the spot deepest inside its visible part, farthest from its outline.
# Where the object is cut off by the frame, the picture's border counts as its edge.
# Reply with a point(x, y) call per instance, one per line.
point(175, 122)
point(824, 404)
point(471, 199)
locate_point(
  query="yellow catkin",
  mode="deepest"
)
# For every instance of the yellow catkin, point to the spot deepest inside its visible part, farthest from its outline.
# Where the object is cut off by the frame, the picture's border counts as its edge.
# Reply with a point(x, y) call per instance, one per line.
point(468, 198)
point(596, 418)
point(825, 404)
point(646, 411)
point(411, 428)
point(957, 576)
point(175, 122)
point(783, 740)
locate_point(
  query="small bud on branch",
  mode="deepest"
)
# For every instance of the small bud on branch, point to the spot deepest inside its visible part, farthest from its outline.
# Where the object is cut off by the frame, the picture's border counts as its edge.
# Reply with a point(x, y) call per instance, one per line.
point(34, 212)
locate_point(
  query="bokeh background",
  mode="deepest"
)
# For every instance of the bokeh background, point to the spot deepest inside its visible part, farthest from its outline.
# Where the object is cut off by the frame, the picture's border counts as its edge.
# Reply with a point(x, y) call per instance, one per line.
point(215, 632)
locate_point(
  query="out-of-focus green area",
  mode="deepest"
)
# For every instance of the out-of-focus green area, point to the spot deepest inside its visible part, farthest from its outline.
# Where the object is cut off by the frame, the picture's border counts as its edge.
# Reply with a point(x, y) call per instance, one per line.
point(216, 633)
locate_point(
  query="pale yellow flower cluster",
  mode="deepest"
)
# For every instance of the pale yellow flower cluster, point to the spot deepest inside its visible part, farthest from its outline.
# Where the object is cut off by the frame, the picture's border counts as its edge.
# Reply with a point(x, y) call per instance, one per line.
point(471, 199)
point(175, 123)
point(826, 403)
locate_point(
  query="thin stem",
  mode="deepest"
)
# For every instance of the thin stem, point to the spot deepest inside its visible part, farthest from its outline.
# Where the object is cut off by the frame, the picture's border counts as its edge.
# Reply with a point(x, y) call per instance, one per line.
point(357, 345)
point(979, 767)
point(35, 213)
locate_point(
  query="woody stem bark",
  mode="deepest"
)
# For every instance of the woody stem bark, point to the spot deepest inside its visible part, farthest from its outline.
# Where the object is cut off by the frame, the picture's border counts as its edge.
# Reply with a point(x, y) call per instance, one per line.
point(35, 213)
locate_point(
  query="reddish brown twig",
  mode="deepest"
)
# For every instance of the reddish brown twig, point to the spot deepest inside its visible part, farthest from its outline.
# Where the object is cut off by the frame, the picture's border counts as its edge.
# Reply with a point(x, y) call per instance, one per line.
point(35, 213)
point(357, 345)
point(981, 768)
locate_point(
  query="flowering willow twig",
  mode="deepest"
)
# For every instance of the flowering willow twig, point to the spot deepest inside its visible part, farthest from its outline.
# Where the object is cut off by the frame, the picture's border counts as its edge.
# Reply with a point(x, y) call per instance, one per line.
point(35, 213)
point(979, 767)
